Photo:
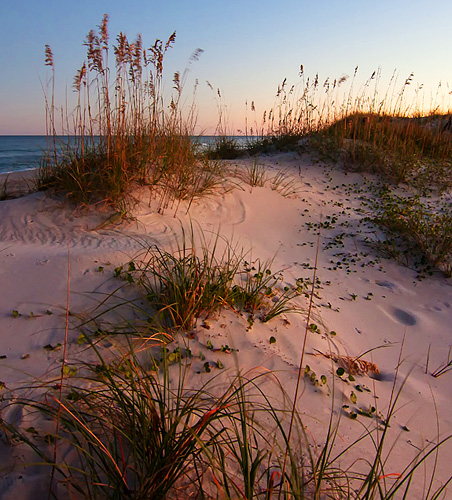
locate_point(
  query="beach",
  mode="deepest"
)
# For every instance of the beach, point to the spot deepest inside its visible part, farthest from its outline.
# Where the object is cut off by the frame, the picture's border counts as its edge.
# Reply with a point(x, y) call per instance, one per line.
point(386, 325)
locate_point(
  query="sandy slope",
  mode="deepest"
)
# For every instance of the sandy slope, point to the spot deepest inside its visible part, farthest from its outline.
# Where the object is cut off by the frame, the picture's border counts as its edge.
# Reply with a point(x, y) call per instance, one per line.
point(371, 303)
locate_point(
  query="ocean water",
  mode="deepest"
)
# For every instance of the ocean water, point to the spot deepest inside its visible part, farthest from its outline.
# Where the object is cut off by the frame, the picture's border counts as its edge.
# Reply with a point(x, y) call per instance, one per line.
point(23, 152)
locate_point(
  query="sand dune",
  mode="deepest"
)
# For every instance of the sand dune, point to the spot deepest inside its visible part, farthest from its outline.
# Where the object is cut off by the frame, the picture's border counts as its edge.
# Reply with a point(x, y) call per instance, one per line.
point(375, 305)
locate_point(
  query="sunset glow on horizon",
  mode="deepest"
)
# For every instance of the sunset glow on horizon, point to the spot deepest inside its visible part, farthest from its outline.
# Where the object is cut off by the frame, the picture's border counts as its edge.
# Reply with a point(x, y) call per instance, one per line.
point(249, 49)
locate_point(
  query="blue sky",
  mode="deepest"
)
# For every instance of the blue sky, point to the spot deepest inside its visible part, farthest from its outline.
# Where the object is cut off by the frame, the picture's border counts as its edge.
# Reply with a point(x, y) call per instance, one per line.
point(249, 47)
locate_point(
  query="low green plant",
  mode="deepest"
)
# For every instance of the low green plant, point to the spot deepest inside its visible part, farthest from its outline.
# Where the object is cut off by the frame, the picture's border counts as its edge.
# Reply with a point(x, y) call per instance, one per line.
point(259, 290)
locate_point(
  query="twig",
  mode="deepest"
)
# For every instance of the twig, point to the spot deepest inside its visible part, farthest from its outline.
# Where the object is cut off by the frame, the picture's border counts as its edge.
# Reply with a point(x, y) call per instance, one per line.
point(428, 359)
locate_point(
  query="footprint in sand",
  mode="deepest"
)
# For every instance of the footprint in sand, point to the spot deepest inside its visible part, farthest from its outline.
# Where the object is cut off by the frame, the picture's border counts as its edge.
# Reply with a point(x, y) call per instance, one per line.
point(404, 317)
point(395, 287)
point(401, 316)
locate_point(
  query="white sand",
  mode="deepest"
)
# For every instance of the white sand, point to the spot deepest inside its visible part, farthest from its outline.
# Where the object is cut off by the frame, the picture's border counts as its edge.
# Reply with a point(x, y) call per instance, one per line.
point(39, 235)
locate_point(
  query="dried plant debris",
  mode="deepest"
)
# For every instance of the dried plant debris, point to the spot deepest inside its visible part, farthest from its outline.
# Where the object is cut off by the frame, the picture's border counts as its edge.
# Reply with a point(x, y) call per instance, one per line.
point(353, 366)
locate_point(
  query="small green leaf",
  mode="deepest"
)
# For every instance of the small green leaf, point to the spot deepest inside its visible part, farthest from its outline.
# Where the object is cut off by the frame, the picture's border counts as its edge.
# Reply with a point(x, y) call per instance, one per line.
point(220, 365)
point(100, 269)
point(201, 356)
point(272, 340)
point(25, 356)
point(340, 371)
point(132, 266)
point(81, 339)
point(209, 345)
point(323, 379)
point(69, 370)
point(353, 397)
point(49, 312)
point(172, 357)
point(117, 271)
point(351, 378)
point(405, 428)
point(353, 415)
point(333, 333)
point(207, 367)
point(15, 314)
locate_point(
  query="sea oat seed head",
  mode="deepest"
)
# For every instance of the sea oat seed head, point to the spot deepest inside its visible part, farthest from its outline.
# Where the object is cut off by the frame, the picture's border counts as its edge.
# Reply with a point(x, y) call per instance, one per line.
point(49, 56)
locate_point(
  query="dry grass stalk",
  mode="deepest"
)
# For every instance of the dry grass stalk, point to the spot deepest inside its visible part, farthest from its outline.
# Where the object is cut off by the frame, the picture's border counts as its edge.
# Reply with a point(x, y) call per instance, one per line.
point(353, 366)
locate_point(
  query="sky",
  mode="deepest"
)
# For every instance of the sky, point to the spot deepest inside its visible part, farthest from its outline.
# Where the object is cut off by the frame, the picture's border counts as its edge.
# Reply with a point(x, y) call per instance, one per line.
point(249, 48)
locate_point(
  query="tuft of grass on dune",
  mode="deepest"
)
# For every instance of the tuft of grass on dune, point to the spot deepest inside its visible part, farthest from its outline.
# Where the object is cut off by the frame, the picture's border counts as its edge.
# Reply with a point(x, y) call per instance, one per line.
point(196, 280)
point(123, 132)
point(401, 149)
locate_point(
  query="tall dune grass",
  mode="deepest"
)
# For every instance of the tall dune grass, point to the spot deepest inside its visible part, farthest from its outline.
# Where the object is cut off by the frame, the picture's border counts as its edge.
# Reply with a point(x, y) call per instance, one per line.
point(125, 130)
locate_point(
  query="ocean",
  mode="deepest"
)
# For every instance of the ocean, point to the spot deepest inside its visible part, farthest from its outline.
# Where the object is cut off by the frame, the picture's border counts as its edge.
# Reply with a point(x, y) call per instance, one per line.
point(24, 152)
point(21, 152)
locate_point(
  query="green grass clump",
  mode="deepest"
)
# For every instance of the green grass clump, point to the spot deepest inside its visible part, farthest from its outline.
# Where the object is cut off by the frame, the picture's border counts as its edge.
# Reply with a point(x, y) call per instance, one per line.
point(197, 281)
point(259, 291)
point(188, 283)
point(134, 433)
